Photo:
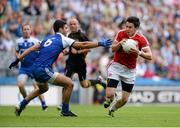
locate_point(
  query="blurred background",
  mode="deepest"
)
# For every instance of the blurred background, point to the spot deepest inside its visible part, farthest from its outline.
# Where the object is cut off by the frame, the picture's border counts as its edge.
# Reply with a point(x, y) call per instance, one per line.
point(158, 81)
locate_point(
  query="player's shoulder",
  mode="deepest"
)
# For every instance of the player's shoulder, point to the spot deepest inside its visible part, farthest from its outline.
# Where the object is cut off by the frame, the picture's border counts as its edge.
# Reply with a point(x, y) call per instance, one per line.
point(57, 35)
point(122, 31)
point(33, 39)
point(121, 34)
point(19, 40)
point(141, 36)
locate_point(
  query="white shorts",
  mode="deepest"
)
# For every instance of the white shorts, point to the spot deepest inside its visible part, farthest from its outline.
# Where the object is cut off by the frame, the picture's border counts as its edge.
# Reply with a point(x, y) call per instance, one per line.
point(53, 77)
point(24, 77)
point(120, 72)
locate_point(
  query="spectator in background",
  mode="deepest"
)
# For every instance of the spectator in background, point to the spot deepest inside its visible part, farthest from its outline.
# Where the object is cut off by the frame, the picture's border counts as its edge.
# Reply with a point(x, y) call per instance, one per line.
point(166, 51)
point(51, 5)
point(33, 8)
point(149, 72)
point(3, 6)
point(2, 46)
point(174, 68)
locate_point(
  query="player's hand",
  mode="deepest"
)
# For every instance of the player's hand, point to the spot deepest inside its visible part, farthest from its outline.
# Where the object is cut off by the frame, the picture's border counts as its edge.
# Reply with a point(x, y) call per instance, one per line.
point(14, 63)
point(105, 42)
point(134, 51)
point(122, 42)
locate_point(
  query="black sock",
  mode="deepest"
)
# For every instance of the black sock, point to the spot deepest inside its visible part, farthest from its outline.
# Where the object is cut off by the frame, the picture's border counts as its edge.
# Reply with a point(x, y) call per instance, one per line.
point(94, 82)
point(104, 85)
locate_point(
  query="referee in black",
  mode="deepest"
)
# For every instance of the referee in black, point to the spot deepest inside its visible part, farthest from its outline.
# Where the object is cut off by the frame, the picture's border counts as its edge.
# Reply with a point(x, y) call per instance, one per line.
point(76, 61)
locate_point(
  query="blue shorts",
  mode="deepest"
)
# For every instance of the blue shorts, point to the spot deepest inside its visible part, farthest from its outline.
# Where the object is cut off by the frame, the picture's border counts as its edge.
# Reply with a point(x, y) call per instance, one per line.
point(27, 71)
point(43, 74)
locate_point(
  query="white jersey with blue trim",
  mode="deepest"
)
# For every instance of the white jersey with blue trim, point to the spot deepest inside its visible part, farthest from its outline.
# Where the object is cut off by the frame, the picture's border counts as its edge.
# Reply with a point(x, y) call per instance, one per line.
point(50, 48)
point(21, 45)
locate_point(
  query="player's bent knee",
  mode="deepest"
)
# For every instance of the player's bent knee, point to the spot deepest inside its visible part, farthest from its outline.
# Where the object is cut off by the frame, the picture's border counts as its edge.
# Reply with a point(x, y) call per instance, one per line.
point(43, 89)
point(109, 93)
point(70, 84)
point(21, 85)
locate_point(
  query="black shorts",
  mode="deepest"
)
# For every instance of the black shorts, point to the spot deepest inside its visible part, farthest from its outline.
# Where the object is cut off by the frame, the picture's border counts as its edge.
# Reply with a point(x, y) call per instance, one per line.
point(79, 69)
point(125, 86)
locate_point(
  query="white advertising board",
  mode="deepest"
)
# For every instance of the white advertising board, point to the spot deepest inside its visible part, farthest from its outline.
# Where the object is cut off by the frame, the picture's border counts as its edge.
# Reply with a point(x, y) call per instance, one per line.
point(10, 95)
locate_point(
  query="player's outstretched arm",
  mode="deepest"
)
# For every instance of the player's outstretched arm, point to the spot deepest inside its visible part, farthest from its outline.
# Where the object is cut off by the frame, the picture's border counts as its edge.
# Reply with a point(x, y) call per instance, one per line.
point(28, 51)
point(24, 54)
point(89, 44)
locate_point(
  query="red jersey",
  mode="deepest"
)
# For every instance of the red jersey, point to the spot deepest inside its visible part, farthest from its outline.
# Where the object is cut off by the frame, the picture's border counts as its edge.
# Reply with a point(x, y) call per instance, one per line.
point(129, 59)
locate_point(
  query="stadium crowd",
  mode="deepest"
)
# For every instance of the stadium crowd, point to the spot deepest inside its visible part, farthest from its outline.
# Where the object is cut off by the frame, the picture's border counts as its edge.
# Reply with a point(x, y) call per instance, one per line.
point(160, 23)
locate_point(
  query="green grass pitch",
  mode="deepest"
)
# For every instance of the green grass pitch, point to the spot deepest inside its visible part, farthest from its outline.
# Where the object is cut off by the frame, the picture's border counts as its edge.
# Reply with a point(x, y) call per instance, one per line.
point(93, 116)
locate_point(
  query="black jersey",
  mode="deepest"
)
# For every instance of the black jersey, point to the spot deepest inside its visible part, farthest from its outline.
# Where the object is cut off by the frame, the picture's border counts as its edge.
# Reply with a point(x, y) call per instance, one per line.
point(77, 59)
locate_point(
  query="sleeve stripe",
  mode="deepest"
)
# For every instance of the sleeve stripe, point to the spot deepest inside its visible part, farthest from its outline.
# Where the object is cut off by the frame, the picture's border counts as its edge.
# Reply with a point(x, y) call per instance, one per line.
point(72, 43)
point(144, 47)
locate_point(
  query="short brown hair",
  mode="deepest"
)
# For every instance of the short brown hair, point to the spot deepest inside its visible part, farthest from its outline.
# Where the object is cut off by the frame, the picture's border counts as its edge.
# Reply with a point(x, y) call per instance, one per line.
point(134, 20)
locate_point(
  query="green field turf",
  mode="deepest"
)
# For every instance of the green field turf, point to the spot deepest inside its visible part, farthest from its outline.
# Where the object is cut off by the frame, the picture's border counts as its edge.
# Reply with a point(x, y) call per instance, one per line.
point(93, 116)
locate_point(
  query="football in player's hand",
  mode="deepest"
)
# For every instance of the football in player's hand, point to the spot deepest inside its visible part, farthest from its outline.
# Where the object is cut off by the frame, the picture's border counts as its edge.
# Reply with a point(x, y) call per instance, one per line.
point(128, 44)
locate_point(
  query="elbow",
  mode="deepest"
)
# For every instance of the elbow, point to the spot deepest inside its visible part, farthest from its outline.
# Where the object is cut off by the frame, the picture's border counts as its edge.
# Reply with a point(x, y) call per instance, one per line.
point(149, 57)
point(114, 49)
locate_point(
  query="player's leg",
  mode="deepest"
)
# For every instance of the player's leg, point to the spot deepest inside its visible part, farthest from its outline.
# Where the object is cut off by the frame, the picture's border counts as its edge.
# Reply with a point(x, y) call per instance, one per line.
point(110, 91)
point(87, 83)
point(21, 84)
point(69, 71)
point(67, 85)
point(41, 98)
point(126, 91)
point(112, 83)
point(42, 87)
point(127, 77)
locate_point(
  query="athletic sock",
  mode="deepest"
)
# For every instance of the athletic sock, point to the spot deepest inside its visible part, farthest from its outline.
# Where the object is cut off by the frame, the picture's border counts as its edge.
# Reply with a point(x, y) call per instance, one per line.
point(65, 107)
point(113, 107)
point(23, 104)
point(94, 82)
point(43, 103)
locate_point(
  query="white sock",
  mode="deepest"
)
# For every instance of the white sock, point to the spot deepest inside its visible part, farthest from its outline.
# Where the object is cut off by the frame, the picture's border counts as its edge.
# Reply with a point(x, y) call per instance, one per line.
point(113, 107)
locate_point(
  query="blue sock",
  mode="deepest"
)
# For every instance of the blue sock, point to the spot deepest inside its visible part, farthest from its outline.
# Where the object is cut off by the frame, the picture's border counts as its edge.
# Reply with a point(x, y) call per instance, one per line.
point(65, 107)
point(23, 103)
point(43, 103)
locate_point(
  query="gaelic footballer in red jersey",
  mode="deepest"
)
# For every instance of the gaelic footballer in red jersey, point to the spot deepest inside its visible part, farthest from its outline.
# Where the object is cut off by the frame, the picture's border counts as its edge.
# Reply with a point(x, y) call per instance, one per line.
point(123, 67)
point(121, 57)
